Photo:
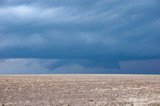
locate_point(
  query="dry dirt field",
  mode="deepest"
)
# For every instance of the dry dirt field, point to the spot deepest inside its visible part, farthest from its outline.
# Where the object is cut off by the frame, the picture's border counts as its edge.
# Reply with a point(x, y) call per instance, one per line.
point(79, 90)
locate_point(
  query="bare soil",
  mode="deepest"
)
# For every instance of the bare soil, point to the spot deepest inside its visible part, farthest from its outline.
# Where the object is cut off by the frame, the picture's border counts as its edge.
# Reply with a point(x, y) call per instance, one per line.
point(80, 90)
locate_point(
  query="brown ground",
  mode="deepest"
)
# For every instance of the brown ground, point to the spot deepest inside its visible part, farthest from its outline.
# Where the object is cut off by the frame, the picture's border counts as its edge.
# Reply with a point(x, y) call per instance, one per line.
point(79, 90)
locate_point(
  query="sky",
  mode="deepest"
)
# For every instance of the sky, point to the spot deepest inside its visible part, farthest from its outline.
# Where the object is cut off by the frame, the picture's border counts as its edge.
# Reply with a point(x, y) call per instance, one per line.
point(80, 36)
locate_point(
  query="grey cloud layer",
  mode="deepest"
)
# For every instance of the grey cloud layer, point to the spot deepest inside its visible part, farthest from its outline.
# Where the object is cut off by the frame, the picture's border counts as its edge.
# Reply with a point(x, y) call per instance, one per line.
point(101, 33)
point(34, 66)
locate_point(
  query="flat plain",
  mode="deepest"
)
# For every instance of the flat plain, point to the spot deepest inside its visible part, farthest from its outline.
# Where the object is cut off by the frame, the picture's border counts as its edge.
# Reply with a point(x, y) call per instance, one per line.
point(80, 90)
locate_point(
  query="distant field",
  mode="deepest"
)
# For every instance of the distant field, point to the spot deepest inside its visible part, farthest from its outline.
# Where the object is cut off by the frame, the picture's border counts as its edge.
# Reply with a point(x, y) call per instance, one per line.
point(80, 90)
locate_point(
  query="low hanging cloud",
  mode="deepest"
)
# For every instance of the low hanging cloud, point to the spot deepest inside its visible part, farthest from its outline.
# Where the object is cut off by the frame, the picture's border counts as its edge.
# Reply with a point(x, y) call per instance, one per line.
point(56, 66)
point(87, 33)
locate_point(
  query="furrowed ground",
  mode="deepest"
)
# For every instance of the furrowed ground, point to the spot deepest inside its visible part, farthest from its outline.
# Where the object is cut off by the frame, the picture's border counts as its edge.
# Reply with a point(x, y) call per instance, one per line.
point(79, 90)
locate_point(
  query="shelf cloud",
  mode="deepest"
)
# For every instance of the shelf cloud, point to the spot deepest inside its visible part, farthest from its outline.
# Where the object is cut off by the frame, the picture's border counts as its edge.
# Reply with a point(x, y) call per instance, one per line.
point(86, 34)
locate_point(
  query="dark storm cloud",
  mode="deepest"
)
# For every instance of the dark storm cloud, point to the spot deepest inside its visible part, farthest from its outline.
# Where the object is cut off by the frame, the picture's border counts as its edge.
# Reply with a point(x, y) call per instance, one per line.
point(90, 33)
point(49, 66)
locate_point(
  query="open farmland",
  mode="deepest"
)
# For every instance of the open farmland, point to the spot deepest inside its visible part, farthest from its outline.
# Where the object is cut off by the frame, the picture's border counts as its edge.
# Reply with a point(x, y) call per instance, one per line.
point(79, 90)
